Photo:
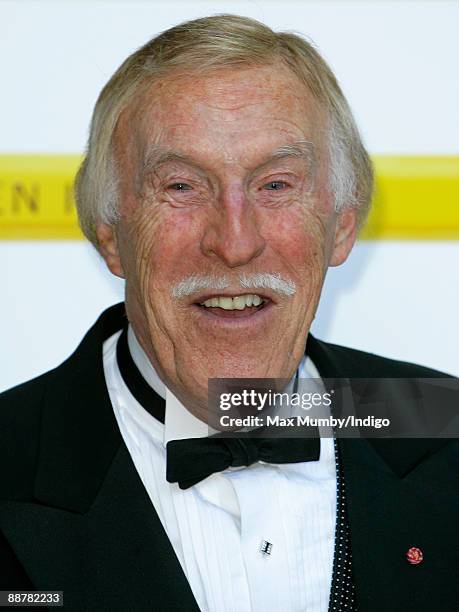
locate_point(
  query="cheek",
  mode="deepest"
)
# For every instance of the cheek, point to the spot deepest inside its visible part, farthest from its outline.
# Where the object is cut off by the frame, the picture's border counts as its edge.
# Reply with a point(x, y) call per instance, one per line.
point(166, 246)
point(299, 239)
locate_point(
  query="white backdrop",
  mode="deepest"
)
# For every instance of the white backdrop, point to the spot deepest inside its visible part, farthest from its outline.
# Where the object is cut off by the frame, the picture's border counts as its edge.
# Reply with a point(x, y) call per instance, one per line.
point(397, 64)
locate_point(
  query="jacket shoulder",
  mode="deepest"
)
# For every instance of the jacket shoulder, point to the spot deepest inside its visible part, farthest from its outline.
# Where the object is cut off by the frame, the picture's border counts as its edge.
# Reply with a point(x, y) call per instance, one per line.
point(20, 418)
point(352, 362)
point(22, 408)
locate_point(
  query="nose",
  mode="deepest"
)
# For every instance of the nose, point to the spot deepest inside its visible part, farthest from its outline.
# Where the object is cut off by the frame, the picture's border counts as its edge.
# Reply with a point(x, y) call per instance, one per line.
point(232, 233)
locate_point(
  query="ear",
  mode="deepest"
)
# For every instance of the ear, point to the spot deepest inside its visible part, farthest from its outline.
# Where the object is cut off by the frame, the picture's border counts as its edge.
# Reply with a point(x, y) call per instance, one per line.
point(108, 248)
point(345, 235)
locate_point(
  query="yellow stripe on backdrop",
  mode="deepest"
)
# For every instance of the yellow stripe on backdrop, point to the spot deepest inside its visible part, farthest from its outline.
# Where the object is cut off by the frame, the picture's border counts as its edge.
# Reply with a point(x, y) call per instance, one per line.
point(416, 198)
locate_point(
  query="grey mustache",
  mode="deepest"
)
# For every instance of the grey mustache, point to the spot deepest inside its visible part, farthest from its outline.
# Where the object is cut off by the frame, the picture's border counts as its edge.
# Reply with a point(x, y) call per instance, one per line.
point(259, 280)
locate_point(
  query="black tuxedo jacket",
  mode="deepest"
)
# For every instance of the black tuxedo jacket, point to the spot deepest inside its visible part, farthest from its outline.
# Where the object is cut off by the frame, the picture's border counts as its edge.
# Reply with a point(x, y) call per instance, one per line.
point(74, 515)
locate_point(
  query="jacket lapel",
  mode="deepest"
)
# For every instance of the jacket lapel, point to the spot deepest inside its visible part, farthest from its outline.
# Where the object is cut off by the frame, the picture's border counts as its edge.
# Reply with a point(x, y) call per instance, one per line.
point(91, 525)
point(400, 495)
point(402, 454)
point(115, 556)
point(389, 514)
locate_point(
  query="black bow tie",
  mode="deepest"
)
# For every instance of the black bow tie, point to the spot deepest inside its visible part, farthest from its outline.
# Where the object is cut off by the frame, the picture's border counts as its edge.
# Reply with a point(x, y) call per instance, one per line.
point(193, 460)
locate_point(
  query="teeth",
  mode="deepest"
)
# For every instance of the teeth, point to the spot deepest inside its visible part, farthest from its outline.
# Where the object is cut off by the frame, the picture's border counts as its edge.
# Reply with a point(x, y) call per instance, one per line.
point(237, 303)
point(226, 303)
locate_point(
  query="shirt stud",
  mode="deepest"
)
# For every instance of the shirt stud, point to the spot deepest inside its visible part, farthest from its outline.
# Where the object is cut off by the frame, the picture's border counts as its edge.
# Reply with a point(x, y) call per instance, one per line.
point(266, 547)
point(414, 556)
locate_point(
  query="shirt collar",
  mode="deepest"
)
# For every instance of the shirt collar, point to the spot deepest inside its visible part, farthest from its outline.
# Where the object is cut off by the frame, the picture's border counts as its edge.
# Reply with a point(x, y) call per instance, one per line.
point(179, 423)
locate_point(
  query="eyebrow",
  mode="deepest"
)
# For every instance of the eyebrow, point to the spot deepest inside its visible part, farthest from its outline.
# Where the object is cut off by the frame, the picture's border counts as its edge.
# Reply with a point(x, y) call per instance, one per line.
point(158, 155)
point(301, 149)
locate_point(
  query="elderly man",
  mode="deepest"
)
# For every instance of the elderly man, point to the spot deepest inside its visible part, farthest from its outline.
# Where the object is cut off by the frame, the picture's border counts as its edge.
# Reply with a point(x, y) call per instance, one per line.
point(224, 175)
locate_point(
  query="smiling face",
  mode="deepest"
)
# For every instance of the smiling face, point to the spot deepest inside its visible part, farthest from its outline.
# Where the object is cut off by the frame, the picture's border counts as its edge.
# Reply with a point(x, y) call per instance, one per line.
point(227, 225)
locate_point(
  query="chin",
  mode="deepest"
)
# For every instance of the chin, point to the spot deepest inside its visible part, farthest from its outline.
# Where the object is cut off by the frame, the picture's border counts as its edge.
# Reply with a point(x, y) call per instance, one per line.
point(253, 368)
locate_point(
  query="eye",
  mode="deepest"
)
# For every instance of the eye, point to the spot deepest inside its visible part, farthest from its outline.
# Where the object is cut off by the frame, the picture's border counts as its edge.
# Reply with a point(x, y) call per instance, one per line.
point(275, 185)
point(179, 187)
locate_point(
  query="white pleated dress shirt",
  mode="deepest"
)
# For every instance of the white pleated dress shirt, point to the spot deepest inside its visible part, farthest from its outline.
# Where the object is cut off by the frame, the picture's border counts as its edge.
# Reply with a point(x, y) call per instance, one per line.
point(217, 526)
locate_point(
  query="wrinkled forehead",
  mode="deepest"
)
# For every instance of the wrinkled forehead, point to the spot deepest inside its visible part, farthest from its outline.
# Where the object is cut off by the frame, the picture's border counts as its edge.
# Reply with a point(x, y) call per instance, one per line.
point(241, 113)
